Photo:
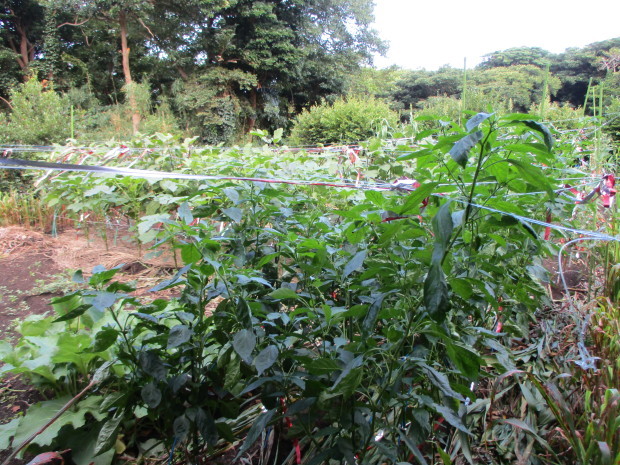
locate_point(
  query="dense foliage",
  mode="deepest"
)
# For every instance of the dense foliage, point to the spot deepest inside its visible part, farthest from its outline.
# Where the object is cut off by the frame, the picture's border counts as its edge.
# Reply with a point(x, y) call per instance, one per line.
point(342, 122)
point(353, 326)
point(249, 62)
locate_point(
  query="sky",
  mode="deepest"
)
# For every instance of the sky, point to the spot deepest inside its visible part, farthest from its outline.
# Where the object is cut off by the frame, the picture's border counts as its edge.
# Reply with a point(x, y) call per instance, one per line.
point(429, 34)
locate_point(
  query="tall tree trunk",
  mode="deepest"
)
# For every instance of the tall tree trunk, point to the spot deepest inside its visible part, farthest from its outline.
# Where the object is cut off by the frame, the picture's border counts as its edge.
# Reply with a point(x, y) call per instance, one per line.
point(254, 104)
point(135, 117)
point(24, 49)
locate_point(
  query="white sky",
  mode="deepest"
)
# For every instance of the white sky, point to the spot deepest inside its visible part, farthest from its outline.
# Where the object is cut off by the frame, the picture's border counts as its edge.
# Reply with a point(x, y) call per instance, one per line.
point(431, 33)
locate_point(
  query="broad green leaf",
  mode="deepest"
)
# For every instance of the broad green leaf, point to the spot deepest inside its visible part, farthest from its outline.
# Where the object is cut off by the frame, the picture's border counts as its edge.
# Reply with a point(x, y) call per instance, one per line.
point(283, 293)
point(151, 395)
point(232, 194)
point(460, 151)
point(190, 254)
point(371, 317)
point(243, 343)
point(348, 384)
point(7, 431)
point(180, 427)
point(255, 431)
point(152, 365)
point(461, 287)
point(377, 198)
point(178, 335)
point(265, 359)
point(104, 339)
point(40, 414)
point(322, 366)
point(107, 435)
point(467, 362)
point(476, 120)
point(104, 300)
point(355, 263)
point(102, 276)
point(77, 312)
point(234, 214)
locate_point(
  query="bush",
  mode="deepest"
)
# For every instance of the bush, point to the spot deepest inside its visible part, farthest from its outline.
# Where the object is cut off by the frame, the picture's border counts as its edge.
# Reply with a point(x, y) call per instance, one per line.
point(347, 120)
point(39, 115)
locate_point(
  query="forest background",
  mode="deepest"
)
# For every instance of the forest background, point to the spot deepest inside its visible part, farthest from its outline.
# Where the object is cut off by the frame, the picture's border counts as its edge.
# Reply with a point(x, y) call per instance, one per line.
point(220, 69)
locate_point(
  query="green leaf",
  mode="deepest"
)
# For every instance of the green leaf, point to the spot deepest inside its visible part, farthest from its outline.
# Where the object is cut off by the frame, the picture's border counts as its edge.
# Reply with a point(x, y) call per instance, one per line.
point(243, 343)
point(349, 383)
point(102, 276)
point(234, 214)
point(206, 425)
point(283, 293)
point(104, 300)
point(232, 194)
point(451, 417)
point(440, 380)
point(476, 120)
point(533, 175)
point(178, 335)
point(414, 200)
point(107, 435)
point(377, 198)
point(322, 366)
point(180, 427)
point(190, 254)
point(255, 431)
point(151, 395)
point(7, 431)
point(520, 424)
point(354, 363)
point(442, 227)
point(265, 359)
point(436, 298)
point(413, 447)
point(73, 313)
point(78, 277)
point(355, 263)
point(185, 213)
point(40, 414)
point(467, 362)
point(543, 130)
point(152, 365)
point(460, 151)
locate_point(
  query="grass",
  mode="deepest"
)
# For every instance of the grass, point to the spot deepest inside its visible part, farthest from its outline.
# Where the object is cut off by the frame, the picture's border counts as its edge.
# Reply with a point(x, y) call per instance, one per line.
point(24, 210)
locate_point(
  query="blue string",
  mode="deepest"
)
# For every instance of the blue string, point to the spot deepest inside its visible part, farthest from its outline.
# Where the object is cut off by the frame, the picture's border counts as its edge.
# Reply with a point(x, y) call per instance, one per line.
point(174, 444)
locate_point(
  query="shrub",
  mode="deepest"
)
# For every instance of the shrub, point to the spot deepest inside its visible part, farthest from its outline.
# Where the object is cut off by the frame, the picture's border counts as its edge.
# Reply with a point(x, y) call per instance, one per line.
point(39, 115)
point(347, 120)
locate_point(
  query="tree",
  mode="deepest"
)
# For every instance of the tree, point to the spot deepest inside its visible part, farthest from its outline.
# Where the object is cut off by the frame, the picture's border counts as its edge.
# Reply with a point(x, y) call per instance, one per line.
point(416, 86)
point(522, 85)
point(516, 56)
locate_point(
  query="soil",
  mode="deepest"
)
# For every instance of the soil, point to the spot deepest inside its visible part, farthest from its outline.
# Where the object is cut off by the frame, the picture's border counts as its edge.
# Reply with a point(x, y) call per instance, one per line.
point(34, 267)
